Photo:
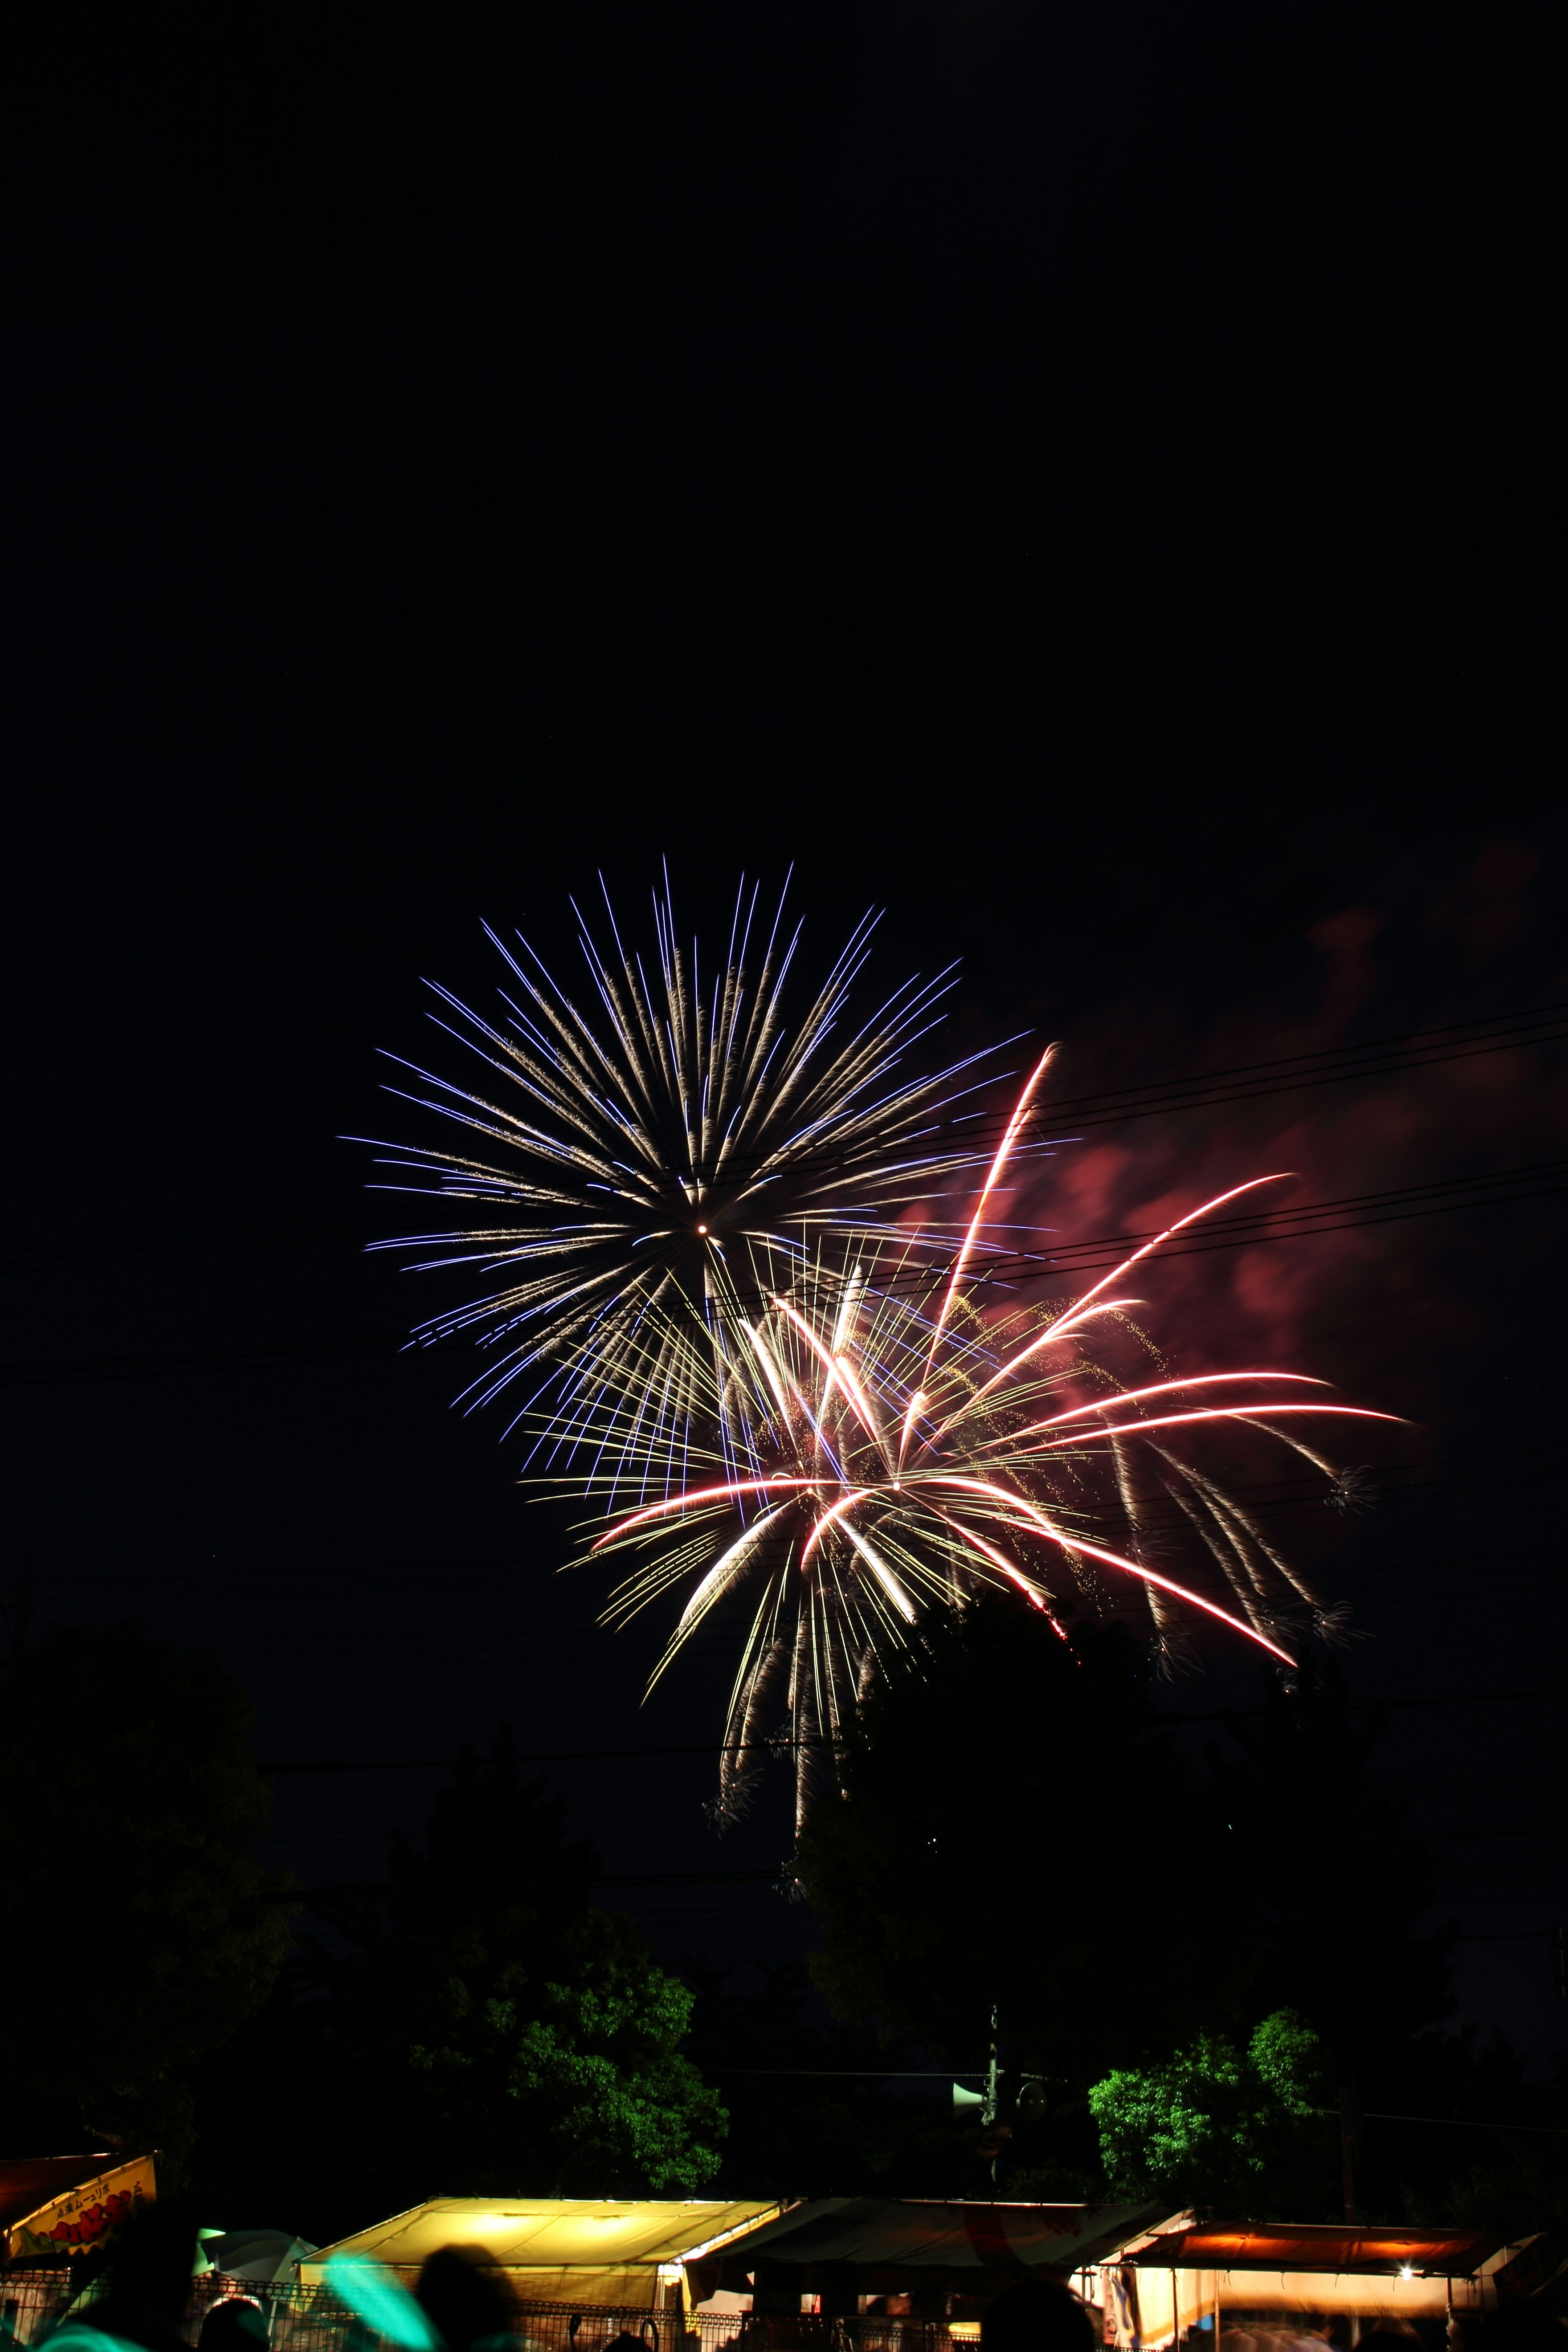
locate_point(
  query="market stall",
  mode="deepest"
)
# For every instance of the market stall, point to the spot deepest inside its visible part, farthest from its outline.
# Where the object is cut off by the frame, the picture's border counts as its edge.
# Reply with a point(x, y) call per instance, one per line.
point(840, 2253)
point(1191, 2280)
point(629, 2253)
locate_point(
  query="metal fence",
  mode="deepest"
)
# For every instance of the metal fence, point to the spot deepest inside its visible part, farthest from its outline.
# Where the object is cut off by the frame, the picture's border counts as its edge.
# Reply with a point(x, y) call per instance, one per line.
point(311, 2319)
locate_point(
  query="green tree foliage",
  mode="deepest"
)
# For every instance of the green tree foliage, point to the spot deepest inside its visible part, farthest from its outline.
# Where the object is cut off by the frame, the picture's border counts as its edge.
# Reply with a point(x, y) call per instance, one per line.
point(567, 2053)
point(987, 1787)
point(138, 1929)
point(1220, 2126)
point(472, 2026)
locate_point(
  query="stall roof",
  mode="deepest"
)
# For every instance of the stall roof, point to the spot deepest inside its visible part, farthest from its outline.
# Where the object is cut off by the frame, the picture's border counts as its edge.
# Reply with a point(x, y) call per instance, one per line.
point(888, 2235)
point(559, 2235)
point(1320, 2246)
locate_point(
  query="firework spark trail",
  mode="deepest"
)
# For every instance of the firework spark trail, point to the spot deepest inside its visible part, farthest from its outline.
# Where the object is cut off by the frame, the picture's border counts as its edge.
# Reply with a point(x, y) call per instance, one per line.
point(1060, 1326)
point(648, 1168)
point(858, 1540)
point(1004, 1153)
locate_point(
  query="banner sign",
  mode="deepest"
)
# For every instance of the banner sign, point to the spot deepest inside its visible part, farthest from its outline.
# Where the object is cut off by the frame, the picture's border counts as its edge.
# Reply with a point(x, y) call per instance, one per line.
point(92, 2214)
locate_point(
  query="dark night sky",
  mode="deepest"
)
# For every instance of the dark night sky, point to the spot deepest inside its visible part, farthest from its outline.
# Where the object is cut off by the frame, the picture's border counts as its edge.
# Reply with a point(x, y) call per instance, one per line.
point(1065, 474)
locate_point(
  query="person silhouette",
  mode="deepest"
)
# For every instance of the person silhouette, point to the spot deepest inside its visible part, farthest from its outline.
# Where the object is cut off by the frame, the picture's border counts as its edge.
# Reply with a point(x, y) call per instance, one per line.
point(149, 2289)
point(471, 2307)
point(1037, 2315)
point(234, 2323)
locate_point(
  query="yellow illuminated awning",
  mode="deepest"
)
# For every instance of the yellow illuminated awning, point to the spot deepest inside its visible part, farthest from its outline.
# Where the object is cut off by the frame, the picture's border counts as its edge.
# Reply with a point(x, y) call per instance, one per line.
point(559, 2249)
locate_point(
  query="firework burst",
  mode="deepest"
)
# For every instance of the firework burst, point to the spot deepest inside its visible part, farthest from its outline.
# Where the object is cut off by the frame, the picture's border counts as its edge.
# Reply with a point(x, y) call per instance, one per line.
point(636, 1176)
point(903, 1457)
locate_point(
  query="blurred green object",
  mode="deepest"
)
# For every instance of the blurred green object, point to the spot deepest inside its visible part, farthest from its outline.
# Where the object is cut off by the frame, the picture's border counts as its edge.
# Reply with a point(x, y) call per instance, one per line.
point(372, 2294)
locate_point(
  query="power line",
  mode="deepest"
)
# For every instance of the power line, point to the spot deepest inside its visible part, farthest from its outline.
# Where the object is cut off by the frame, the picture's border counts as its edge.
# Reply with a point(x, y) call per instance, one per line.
point(1414, 1040)
point(1527, 1829)
point(1290, 1073)
point(1435, 1698)
point(946, 2073)
point(644, 1755)
point(1290, 1223)
point(1294, 1221)
point(1366, 1062)
point(546, 1567)
point(1510, 1935)
point(1456, 2123)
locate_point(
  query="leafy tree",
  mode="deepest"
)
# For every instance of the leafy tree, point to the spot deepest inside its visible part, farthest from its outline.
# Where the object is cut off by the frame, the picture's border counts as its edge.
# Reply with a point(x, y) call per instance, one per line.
point(1216, 2125)
point(979, 1782)
point(567, 2053)
point(138, 1929)
point(472, 2026)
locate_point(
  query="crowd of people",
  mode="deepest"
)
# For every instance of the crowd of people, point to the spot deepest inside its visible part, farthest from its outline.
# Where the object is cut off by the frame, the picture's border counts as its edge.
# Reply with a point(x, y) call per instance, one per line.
point(459, 2303)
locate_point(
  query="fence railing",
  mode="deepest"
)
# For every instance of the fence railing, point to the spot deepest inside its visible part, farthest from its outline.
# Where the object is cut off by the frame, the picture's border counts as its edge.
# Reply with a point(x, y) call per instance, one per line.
point(311, 2319)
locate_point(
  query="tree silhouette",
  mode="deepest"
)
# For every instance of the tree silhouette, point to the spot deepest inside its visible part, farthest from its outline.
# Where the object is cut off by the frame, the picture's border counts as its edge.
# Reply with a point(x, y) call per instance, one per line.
point(140, 1931)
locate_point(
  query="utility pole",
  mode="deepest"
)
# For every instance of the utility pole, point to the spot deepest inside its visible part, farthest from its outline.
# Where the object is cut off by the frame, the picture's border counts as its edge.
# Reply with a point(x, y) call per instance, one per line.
point(987, 2102)
point(988, 2112)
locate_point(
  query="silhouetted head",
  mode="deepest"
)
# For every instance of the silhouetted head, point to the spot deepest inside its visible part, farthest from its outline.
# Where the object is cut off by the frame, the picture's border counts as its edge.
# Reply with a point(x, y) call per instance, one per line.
point(1036, 2315)
point(464, 2299)
point(233, 2325)
point(154, 2259)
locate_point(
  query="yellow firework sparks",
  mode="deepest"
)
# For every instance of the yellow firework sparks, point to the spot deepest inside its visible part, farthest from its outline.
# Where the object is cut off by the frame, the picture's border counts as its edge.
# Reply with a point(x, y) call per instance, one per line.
point(882, 1458)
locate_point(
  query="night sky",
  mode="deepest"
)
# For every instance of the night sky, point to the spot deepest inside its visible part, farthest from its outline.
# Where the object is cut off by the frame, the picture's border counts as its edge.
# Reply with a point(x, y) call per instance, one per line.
point(1069, 476)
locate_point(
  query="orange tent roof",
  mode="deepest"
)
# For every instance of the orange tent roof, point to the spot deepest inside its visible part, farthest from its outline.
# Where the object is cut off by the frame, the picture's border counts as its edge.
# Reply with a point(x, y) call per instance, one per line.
point(1320, 2246)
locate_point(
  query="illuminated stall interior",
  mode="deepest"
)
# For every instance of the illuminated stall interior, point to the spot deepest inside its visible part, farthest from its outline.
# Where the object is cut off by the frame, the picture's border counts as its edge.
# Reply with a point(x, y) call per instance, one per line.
point(1188, 2281)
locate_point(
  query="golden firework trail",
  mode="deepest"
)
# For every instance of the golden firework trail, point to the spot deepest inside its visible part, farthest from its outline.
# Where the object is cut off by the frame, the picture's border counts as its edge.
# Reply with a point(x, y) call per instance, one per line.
point(883, 1459)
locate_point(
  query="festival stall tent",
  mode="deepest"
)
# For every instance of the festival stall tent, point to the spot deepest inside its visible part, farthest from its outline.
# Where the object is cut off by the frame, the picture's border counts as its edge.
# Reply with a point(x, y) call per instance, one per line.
point(1191, 2277)
point(54, 2207)
point(627, 2254)
point(256, 2256)
point(842, 2251)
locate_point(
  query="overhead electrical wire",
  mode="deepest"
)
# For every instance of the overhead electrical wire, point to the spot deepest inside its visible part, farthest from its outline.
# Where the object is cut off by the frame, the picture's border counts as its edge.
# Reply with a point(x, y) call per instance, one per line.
point(1301, 1222)
point(545, 1566)
point(1384, 1057)
point(710, 1747)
